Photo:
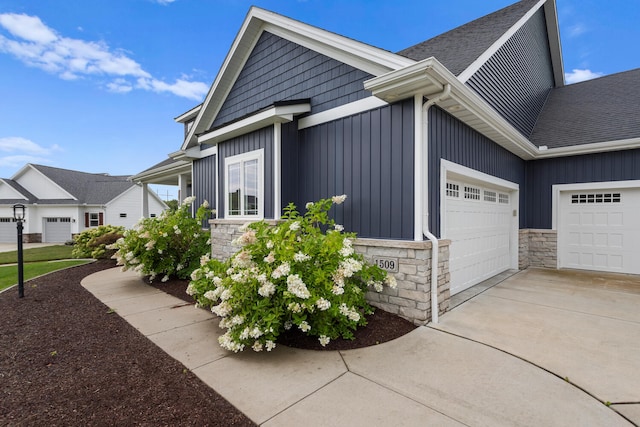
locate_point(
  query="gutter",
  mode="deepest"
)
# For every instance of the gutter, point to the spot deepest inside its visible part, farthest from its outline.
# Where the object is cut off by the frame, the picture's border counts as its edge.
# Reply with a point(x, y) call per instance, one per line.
point(421, 200)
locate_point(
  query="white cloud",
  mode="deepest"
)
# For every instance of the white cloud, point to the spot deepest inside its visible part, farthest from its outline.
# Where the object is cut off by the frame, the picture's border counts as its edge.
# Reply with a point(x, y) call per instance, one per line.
point(164, 2)
point(181, 87)
point(119, 86)
point(576, 76)
point(22, 151)
point(39, 46)
point(12, 144)
point(577, 30)
point(27, 27)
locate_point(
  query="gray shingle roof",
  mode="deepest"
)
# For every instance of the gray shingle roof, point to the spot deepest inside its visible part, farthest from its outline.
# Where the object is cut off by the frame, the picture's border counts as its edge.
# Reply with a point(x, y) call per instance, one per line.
point(599, 110)
point(90, 188)
point(458, 48)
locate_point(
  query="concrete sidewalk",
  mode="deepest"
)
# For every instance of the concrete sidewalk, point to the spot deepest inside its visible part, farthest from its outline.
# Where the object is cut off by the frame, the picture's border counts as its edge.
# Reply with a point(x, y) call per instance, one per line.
point(427, 377)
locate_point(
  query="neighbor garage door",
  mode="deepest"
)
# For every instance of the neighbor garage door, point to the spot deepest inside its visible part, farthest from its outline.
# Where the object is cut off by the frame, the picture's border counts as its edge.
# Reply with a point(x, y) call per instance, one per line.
point(57, 230)
point(600, 230)
point(8, 231)
point(478, 221)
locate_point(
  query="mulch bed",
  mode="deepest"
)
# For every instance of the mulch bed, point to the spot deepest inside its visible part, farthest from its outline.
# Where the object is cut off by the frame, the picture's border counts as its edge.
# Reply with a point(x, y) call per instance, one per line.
point(381, 326)
point(66, 359)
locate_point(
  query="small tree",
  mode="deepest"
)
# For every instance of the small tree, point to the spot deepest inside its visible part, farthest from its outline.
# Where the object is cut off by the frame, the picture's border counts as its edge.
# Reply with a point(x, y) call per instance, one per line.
point(170, 245)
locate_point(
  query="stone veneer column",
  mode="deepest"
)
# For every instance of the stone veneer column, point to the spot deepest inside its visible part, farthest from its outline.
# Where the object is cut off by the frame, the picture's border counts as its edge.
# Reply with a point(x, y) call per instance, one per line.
point(538, 248)
point(412, 298)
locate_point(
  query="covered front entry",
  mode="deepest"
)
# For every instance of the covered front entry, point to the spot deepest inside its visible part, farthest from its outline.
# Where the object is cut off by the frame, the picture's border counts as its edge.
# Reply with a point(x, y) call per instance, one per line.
point(480, 218)
point(599, 227)
point(57, 230)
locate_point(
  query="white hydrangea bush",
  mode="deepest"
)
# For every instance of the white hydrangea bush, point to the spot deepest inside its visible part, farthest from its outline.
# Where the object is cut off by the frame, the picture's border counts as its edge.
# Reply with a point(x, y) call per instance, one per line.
point(170, 245)
point(302, 273)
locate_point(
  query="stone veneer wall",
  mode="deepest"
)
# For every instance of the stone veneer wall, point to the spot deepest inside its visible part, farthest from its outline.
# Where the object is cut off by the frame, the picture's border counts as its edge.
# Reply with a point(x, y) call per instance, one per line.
point(538, 248)
point(410, 300)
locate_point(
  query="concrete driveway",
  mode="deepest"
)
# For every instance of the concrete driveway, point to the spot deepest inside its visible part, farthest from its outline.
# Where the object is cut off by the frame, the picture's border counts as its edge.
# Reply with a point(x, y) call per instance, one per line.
point(583, 327)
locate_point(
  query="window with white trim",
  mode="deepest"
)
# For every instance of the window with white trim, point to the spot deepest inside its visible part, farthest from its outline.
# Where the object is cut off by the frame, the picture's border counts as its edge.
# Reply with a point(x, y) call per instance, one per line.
point(94, 219)
point(244, 185)
point(503, 198)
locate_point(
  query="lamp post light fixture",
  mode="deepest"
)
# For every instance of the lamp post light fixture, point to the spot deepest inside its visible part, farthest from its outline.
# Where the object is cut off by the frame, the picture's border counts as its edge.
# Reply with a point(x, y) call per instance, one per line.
point(18, 216)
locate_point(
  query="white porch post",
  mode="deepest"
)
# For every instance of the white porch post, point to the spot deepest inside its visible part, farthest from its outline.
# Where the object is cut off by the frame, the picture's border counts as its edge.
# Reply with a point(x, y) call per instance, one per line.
point(182, 187)
point(145, 200)
point(277, 169)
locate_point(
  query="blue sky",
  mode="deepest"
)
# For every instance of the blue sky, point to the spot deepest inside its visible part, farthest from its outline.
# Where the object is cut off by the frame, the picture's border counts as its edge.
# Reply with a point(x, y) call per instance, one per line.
point(94, 85)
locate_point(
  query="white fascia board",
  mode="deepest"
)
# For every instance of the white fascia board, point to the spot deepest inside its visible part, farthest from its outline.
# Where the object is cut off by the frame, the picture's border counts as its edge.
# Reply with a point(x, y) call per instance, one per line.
point(277, 114)
point(480, 61)
point(366, 104)
point(185, 117)
point(428, 77)
point(553, 34)
point(168, 170)
point(234, 61)
point(597, 147)
point(360, 55)
point(403, 83)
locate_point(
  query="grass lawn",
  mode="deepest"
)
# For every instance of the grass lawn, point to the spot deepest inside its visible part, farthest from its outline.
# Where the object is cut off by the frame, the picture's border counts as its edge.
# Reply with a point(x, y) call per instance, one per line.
point(37, 261)
point(45, 253)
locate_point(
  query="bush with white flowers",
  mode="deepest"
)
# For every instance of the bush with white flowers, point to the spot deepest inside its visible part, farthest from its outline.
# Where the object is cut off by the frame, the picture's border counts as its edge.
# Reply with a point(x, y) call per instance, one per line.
point(301, 273)
point(170, 245)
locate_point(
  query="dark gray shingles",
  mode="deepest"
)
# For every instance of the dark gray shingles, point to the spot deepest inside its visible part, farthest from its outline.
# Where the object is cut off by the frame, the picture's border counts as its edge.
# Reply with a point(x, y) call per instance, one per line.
point(88, 188)
point(599, 110)
point(458, 48)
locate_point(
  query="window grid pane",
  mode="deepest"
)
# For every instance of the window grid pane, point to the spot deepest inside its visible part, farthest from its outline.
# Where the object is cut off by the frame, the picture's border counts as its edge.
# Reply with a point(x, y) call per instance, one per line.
point(233, 179)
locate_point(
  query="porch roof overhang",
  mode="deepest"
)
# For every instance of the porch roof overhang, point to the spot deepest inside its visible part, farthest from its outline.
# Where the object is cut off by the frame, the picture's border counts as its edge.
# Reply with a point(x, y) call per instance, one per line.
point(165, 174)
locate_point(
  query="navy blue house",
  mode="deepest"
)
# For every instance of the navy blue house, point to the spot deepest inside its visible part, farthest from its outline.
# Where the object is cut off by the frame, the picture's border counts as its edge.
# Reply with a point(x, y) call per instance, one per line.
point(469, 140)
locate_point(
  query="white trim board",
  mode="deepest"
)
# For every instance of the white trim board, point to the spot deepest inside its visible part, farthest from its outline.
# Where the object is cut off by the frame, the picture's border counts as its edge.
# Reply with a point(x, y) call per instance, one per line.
point(366, 104)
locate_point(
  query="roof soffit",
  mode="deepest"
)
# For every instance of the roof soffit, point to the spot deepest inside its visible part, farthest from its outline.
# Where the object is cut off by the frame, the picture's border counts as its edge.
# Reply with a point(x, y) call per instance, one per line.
point(360, 55)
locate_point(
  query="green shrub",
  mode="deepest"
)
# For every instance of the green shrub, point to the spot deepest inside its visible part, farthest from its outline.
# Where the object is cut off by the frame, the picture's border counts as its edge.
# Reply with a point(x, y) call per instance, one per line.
point(170, 245)
point(301, 273)
point(92, 243)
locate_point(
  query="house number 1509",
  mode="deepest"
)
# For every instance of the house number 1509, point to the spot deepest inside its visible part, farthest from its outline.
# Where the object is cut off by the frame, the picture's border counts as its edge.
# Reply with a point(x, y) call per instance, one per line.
point(387, 264)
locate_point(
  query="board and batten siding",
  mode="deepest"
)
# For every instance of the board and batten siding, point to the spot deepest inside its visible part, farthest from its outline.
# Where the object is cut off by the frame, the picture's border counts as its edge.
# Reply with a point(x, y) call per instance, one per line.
point(453, 140)
point(367, 156)
point(262, 138)
point(517, 79)
point(204, 182)
point(280, 70)
point(544, 173)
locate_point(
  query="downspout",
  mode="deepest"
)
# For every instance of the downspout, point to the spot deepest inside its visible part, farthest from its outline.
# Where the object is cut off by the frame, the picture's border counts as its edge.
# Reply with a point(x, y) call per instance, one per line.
point(422, 159)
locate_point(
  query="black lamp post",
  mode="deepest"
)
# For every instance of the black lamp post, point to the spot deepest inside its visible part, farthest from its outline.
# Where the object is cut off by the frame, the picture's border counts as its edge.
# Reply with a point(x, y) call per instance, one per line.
point(18, 216)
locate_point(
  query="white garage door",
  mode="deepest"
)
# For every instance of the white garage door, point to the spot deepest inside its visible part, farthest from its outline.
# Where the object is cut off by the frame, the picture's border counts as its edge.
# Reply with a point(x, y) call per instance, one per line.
point(479, 224)
point(600, 230)
point(8, 231)
point(57, 230)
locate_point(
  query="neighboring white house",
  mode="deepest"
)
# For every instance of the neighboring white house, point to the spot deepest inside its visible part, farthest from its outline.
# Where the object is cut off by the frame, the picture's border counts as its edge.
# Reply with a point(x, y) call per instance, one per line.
point(61, 203)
